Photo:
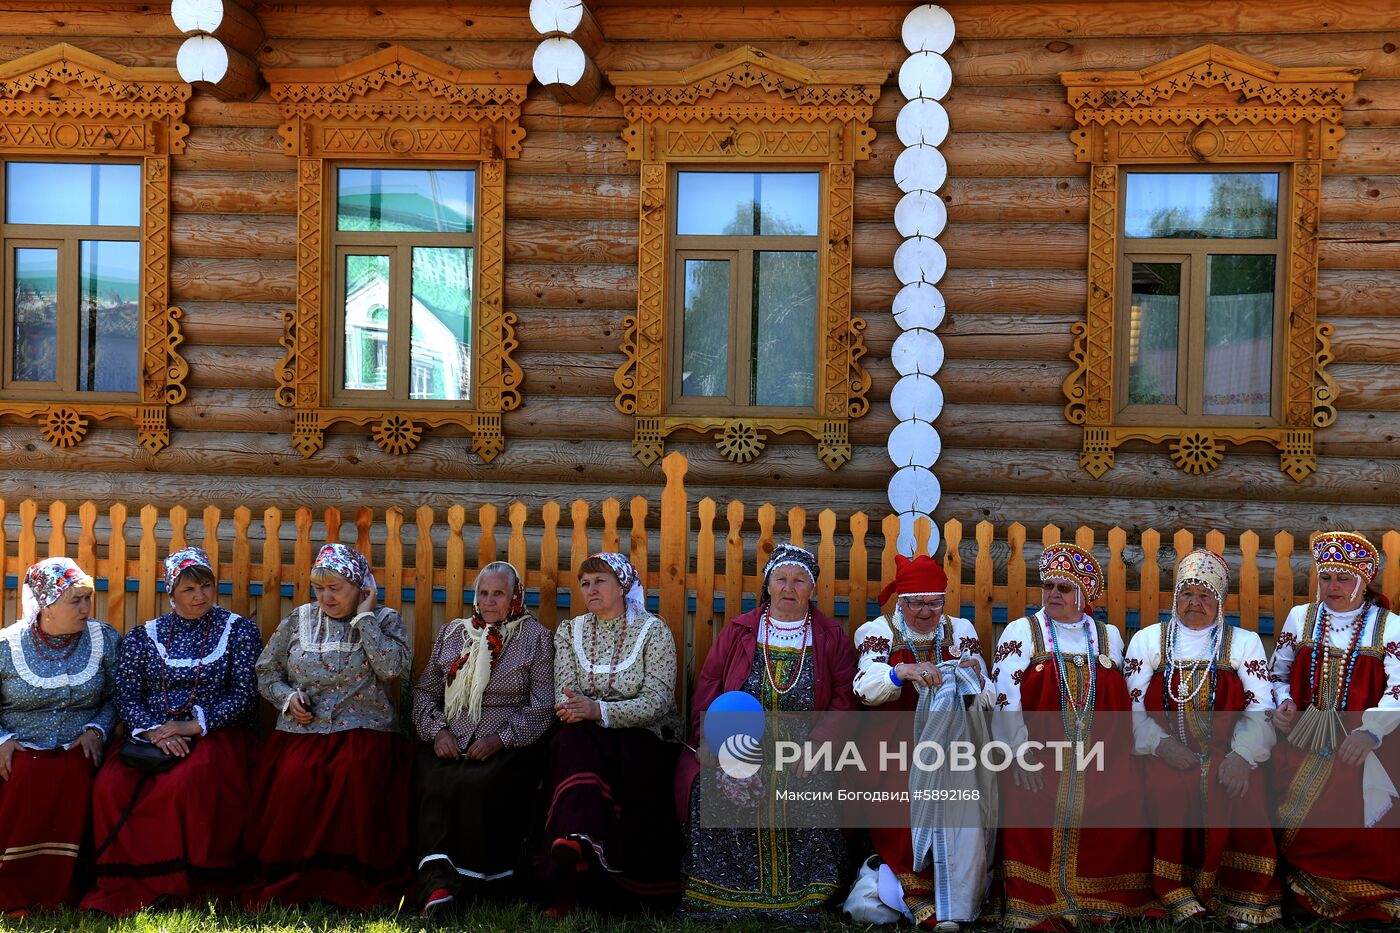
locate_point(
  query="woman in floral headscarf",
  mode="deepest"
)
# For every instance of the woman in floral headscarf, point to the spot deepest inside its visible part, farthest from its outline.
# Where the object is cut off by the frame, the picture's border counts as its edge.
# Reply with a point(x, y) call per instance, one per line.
point(57, 678)
point(1200, 691)
point(1336, 673)
point(1061, 863)
point(791, 658)
point(609, 821)
point(185, 684)
point(330, 815)
point(482, 704)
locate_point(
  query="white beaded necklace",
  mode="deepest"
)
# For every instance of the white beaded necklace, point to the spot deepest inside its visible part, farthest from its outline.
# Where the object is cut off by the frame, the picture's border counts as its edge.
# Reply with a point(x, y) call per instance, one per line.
point(1185, 671)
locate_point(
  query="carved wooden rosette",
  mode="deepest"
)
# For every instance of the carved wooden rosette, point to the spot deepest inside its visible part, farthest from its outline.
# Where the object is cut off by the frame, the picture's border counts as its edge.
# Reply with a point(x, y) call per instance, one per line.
point(1209, 106)
point(746, 107)
point(398, 104)
point(66, 101)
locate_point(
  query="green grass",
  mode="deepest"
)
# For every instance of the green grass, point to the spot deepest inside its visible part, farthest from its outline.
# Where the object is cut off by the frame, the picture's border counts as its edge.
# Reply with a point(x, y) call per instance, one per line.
point(488, 919)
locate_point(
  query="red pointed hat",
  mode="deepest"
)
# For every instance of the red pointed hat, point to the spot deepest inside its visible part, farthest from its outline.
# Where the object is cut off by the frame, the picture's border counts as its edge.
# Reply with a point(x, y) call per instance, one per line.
point(922, 576)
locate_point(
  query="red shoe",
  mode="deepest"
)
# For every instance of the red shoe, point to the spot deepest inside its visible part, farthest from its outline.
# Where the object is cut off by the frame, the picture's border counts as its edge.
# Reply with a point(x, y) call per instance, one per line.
point(568, 852)
point(437, 901)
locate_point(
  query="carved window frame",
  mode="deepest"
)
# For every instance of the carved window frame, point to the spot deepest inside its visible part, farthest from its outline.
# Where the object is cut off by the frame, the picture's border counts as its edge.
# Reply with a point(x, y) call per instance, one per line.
point(402, 106)
point(1209, 107)
point(65, 103)
point(745, 108)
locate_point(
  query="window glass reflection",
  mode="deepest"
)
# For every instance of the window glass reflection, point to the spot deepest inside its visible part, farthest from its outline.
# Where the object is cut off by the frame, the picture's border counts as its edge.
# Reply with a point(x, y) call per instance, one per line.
point(109, 299)
point(705, 344)
point(440, 364)
point(405, 200)
point(1201, 205)
point(1154, 333)
point(366, 322)
point(73, 194)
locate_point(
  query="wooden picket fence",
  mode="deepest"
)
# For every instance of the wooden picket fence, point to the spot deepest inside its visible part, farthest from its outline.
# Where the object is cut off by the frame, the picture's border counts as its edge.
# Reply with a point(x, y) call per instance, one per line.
point(703, 563)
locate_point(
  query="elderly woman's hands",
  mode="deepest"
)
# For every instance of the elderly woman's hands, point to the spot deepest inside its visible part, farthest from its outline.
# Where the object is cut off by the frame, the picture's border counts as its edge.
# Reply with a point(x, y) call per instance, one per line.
point(1285, 714)
point(1234, 776)
point(173, 737)
point(296, 708)
point(368, 600)
point(1177, 755)
point(7, 757)
point(577, 709)
point(925, 673)
point(92, 744)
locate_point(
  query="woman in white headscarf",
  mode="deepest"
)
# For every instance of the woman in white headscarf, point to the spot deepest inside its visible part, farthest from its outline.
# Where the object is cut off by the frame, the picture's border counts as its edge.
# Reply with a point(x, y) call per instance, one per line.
point(1200, 690)
point(482, 704)
point(610, 823)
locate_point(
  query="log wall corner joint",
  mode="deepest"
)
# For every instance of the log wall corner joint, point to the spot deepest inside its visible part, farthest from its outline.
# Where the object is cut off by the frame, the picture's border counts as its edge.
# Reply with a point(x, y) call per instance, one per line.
point(1210, 106)
point(746, 108)
point(397, 104)
point(68, 101)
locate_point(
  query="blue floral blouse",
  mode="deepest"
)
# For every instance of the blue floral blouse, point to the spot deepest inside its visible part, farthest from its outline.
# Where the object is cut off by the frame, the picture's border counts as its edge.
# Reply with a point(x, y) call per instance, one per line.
point(180, 669)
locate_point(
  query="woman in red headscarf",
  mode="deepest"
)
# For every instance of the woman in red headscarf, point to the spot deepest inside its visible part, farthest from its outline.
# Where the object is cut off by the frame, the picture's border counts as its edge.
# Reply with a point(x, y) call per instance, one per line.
point(899, 658)
point(1200, 694)
point(1073, 850)
point(1340, 834)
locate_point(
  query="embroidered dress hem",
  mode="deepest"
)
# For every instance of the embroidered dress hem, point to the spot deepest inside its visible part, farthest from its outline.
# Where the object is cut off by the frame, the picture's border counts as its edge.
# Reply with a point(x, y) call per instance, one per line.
point(330, 820)
point(40, 843)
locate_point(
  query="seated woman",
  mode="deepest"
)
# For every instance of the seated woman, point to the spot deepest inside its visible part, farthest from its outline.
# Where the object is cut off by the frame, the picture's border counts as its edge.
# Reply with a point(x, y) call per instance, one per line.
point(1059, 867)
point(185, 684)
point(792, 658)
point(481, 705)
point(57, 678)
point(330, 794)
point(1336, 676)
point(1185, 678)
point(610, 766)
point(898, 660)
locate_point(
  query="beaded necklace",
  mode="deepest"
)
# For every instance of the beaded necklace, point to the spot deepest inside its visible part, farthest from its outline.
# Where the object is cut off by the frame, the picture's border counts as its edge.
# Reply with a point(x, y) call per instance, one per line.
point(183, 709)
point(1185, 675)
point(1083, 711)
point(54, 647)
point(763, 625)
point(920, 658)
point(617, 656)
point(1323, 646)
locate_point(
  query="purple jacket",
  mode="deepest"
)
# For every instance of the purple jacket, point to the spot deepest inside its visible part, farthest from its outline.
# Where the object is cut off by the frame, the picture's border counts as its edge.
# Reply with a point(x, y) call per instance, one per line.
point(728, 666)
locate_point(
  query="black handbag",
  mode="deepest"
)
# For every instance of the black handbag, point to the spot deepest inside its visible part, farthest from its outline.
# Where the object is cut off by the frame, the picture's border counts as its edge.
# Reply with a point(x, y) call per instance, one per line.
point(147, 758)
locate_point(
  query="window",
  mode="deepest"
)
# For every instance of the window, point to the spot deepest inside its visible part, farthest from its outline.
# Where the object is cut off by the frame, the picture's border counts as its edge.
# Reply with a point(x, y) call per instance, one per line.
point(746, 277)
point(399, 323)
point(1205, 187)
point(72, 258)
point(405, 242)
point(88, 331)
point(744, 325)
point(1203, 262)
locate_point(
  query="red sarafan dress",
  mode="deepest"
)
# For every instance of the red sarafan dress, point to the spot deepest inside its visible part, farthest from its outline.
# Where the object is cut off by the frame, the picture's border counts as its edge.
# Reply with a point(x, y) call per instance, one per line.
point(1210, 853)
point(881, 646)
point(1339, 868)
point(1077, 851)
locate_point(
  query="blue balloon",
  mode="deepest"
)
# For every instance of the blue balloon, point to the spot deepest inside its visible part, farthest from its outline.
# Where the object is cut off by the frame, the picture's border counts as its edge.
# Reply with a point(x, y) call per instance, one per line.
point(733, 713)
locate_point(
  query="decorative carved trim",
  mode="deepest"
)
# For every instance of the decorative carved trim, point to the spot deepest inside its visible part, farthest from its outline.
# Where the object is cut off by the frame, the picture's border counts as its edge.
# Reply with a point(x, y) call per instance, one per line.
point(746, 107)
point(1325, 388)
point(1210, 105)
point(398, 104)
point(740, 440)
point(68, 101)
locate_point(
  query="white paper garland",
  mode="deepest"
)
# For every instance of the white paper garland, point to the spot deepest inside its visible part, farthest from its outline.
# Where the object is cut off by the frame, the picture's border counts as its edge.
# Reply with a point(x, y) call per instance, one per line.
point(920, 170)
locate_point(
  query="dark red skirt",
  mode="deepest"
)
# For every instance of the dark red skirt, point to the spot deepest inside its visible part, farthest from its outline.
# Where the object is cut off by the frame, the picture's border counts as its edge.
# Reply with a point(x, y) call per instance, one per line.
point(330, 819)
point(181, 840)
point(610, 789)
point(44, 811)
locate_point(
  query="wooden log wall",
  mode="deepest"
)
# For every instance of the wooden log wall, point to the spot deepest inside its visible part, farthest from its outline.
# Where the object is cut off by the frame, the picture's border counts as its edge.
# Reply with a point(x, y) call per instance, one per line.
point(1016, 243)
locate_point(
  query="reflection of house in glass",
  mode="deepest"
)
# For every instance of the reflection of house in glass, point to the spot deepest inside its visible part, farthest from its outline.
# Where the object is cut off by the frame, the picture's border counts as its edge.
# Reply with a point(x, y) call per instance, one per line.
point(440, 348)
